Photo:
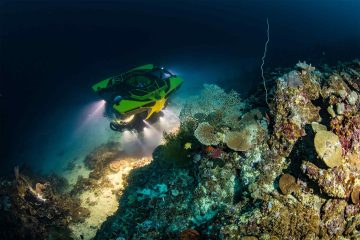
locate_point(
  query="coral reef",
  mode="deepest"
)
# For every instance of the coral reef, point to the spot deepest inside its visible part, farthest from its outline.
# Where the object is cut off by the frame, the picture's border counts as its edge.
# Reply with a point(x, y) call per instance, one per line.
point(234, 170)
point(304, 147)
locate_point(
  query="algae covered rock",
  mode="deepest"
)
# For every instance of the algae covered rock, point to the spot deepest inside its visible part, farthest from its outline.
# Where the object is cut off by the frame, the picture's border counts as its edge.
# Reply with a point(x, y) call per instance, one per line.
point(333, 219)
point(336, 182)
point(352, 98)
point(316, 127)
point(328, 148)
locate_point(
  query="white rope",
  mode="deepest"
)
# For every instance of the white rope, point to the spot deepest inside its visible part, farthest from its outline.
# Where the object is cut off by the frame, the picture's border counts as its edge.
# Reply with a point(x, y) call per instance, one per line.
point(263, 61)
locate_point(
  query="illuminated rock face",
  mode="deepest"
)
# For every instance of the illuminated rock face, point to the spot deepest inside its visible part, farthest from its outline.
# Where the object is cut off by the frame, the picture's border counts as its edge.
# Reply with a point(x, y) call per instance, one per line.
point(102, 200)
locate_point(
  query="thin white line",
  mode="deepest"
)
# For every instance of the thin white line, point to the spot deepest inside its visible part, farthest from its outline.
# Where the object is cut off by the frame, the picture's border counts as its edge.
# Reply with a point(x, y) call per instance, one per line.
point(263, 60)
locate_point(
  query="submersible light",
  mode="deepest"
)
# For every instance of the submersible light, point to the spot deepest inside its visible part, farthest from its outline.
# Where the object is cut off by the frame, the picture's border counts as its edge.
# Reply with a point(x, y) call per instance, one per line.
point(129, 119)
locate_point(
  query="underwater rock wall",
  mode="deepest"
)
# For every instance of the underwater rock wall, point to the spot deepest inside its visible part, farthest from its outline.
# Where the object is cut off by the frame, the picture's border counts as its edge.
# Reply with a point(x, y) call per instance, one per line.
point(289, 171)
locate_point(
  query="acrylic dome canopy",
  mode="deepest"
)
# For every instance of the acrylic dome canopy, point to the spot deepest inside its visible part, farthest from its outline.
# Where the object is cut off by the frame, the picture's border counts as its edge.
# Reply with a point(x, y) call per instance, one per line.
point(144, 90)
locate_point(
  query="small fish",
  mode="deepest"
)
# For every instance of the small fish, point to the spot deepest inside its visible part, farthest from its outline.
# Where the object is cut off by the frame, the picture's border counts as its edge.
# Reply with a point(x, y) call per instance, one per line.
point(209, 149)
point(187, 146)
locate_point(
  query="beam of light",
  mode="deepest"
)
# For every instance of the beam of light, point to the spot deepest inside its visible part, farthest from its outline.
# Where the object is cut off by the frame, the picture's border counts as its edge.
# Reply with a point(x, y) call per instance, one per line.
point(148, 125)
point(95, 110)
point(170, 122)
point(131, 137)
point(151, 138)
point(173, 71)
point(146, 131)
point(90, 113)
point(170, 113)
point(127, 135)
point(131, 143)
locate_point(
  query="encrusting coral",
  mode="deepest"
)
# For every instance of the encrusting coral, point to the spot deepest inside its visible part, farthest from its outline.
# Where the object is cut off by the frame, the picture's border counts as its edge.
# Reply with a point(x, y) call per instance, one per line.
point(328, 148)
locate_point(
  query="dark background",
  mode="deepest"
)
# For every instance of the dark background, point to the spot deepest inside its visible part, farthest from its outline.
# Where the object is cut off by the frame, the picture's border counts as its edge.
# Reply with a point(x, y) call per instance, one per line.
point(51, 52)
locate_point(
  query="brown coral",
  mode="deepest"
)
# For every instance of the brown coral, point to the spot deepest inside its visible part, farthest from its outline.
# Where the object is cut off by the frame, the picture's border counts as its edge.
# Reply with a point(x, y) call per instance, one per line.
point(39, 187)
point(287, 183)
point(355, 194)
point(115, 165)
point(328, 148)
point(190, 234)
point(206, 134)
point(238, 141)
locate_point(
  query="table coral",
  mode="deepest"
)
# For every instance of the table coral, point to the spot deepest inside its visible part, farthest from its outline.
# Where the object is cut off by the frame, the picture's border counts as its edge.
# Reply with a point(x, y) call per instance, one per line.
point(238, 141)
point(206, 134)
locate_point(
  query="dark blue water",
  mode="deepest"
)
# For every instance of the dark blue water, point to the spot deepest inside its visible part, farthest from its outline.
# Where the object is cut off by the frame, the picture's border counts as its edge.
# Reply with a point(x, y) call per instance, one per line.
point(51, 52)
